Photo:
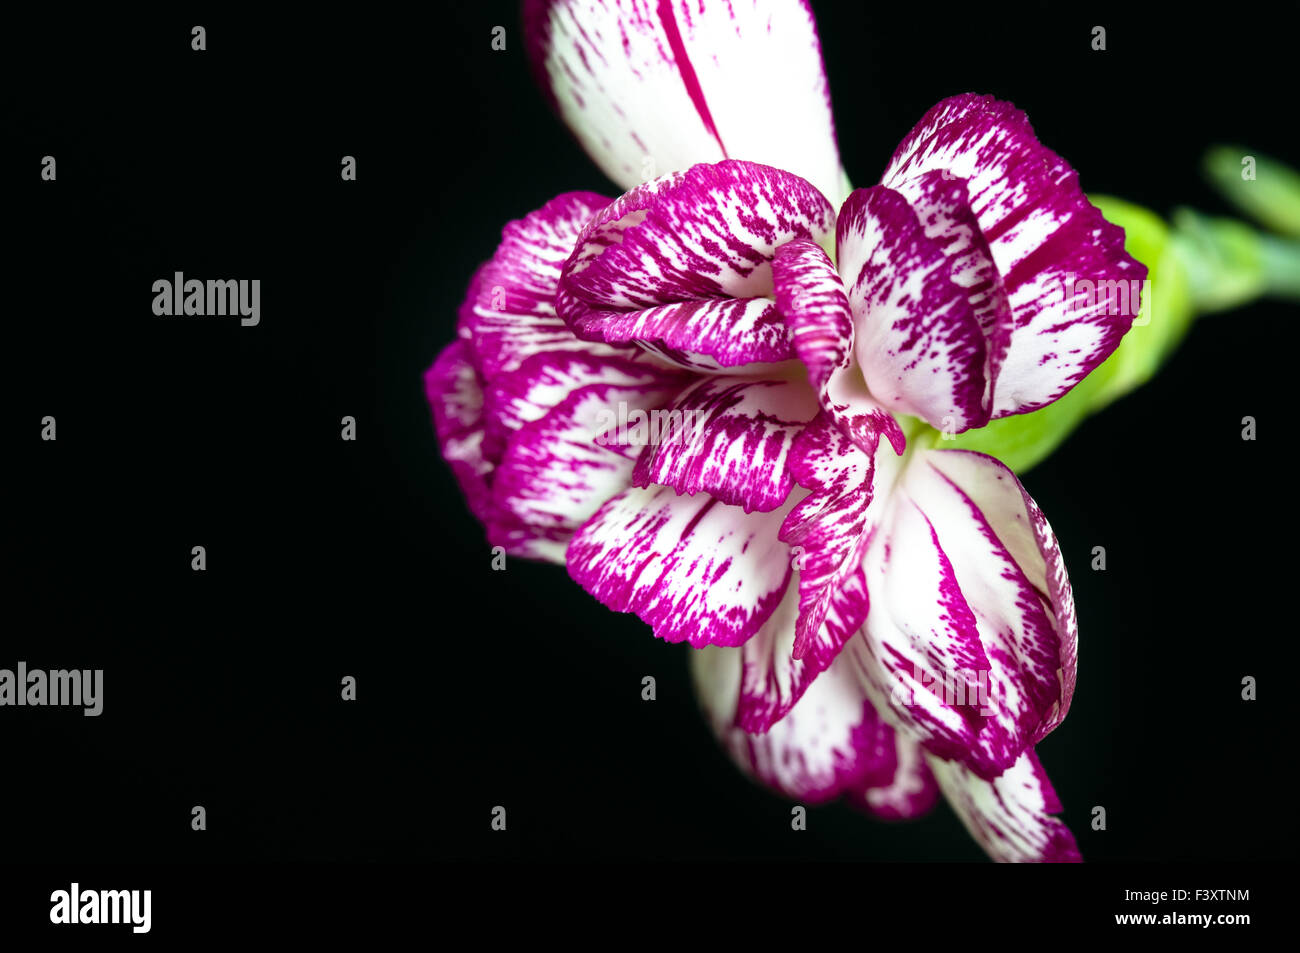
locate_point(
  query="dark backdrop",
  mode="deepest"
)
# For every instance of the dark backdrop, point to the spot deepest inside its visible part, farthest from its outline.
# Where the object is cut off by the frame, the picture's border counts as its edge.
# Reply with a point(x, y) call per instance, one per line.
point(326, 558)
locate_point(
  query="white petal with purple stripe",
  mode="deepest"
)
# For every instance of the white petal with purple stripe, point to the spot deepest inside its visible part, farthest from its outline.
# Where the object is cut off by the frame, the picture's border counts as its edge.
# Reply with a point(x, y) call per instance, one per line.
point(831, 743)
point(556, 471)
point(729, 438)
point(1010, 816)
point(971, 635)
point(655, 86)
point(917, 337)
point(693, 568)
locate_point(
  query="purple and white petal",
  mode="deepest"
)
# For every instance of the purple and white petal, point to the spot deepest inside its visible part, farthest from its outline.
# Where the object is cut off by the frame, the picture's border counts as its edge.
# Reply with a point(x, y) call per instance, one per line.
point(455, 397)
point(811, 296)
point(920, 653)
point(1009, 564)
point(1045, 238)
point(540, 543)
point(941, 201)
point(544, 380)
point(771, 679)
point(829, 532)
point(655, 86)
point(556, 471)
point(521, 399)
point(903, 787)
point(683, 265)
point(832, 741)
point(1010, 816)
point(693, 568)
point(916, 334)
point(730, 438)
point(1020, 692)
point(509, 313)
point(971, 635)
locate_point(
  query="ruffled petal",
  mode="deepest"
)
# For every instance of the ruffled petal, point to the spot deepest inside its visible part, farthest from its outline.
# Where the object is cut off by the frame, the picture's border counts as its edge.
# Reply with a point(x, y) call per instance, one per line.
point(771, 679)
point(545, 380)
point(693, 568)
point(556, 471)
point(916, 334)
point(811, 296)
point(831, 743)
point(941, 201)
point(903, 787)
point(999, 539)
point(455, 397)
point(729, 438)
point(920, 650)
point(509, 313)
point(682, 265)
point(514, 363)
point(829, 531)
point(1045, 238)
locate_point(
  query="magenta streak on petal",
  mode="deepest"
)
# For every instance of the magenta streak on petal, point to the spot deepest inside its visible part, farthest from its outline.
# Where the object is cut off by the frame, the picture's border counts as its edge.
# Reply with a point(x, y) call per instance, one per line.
point(957, 614)
point(553, 475)
point(730, 438)
point(1011, 815)
point(455, 394)
point(916, 335)
point(1051, 802)
point(690, 527)
point(833, 526)
point(811, 298)
point(1043, 234)
point(692, 568)
point(830, 741)
point(687, 71)
point(1049, 580)
point(1035, 655)
point(683, 264)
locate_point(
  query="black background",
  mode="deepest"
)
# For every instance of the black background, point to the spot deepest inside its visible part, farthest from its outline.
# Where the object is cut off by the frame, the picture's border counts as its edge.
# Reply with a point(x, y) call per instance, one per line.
point(327, 558)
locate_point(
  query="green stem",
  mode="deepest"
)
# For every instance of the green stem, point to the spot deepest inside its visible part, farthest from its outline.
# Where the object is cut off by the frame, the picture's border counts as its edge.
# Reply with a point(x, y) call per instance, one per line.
point(1280, 258)
point(1230, 263)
